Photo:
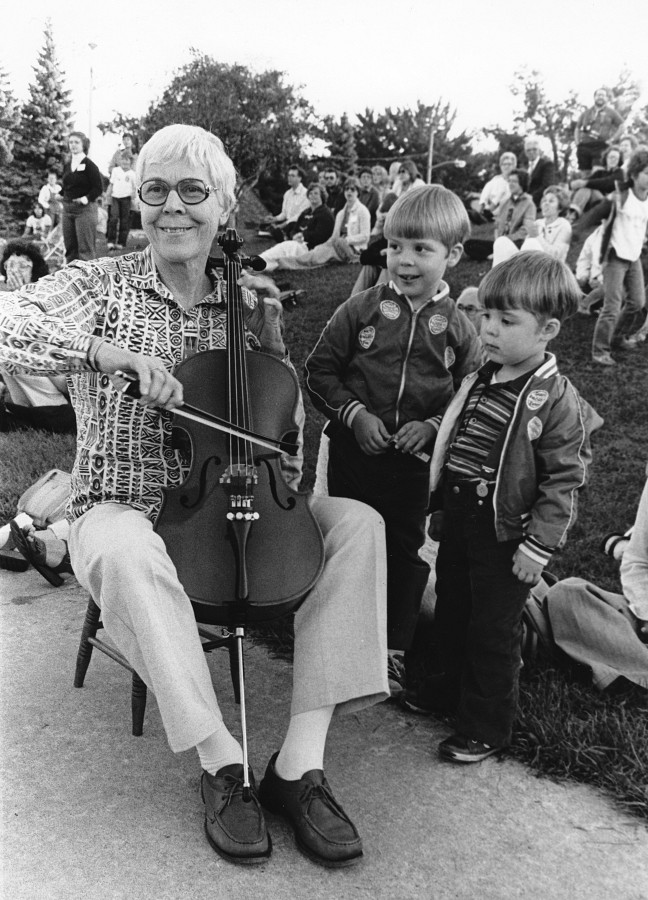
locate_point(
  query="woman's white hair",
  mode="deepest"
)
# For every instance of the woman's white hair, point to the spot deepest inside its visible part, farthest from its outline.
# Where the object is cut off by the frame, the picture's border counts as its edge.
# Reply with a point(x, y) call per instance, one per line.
point(196, 146)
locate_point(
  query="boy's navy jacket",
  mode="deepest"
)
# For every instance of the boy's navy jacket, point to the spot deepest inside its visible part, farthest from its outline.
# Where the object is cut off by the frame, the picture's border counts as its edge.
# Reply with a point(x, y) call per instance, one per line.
point(376, 353)
point(544, 459)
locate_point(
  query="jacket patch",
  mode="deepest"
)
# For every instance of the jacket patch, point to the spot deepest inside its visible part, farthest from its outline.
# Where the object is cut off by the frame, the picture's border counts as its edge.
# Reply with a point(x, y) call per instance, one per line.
point(390, 309)
point(437, 324)
point(366, 337)
point(449, 357)
point(536, 399)
point(534, 427)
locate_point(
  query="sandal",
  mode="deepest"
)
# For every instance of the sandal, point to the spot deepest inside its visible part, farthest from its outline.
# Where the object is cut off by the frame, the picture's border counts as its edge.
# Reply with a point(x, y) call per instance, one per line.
point(28, 546)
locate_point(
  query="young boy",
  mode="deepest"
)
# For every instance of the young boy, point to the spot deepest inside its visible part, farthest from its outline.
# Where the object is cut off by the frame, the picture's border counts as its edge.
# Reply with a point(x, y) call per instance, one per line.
point(510, 457)
point(121, 190)
point(383, 371)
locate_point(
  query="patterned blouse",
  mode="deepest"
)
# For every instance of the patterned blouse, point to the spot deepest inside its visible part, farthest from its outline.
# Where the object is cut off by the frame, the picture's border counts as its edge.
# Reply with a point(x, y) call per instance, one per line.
point(124, 451)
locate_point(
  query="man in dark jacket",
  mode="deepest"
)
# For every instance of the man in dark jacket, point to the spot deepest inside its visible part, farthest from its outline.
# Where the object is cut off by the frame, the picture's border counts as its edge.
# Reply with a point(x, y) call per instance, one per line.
point(541, 171)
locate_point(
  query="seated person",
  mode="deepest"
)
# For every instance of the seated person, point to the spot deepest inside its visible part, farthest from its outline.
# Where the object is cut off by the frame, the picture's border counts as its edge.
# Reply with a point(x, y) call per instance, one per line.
point(494, 193)
point(315, 225)
point(368, 195)
point(590, 190)
point(31, 401)
point(551, 234)
point(49, 197)
point(514, 220)
point(284, 225)
point(38, 225)
point(381, 182)
point(334, 189)
point(350, 235)
point(589, 272)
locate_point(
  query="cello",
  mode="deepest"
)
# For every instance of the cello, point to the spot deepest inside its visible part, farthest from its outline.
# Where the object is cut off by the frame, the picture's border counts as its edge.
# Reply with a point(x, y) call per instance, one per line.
point(246, 546)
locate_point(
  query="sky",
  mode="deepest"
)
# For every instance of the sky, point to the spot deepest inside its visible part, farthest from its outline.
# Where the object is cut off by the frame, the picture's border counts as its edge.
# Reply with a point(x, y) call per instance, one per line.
point(346, 55)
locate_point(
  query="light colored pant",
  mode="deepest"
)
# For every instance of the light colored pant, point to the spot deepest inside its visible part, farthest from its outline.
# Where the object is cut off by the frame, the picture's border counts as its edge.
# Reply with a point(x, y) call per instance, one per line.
point(340, 655)
point(622, 279)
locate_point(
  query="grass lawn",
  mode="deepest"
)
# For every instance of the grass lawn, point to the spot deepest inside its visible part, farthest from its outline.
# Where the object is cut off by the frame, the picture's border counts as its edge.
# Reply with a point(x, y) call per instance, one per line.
point(565, 729)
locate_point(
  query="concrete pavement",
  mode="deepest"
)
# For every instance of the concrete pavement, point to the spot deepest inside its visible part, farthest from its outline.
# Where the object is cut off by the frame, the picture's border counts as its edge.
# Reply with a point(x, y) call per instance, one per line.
point(91, 812)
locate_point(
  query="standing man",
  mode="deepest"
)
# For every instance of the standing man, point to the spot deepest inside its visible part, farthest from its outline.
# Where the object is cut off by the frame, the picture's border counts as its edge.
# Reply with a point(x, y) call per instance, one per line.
point(295, 201)
point(541, 171)
point(597, 128)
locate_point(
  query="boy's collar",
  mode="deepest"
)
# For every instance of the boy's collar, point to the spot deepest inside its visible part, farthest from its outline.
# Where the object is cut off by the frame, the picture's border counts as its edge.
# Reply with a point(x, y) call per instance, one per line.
point(441, 294)
point(545, 369)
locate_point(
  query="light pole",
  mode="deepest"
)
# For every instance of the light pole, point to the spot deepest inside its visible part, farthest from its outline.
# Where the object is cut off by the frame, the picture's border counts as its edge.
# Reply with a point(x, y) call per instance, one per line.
point(92, 48)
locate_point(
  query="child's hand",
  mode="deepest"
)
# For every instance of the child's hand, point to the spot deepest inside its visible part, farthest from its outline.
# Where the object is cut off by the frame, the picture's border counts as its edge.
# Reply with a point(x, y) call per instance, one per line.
point(370, 433)
point(414, 436)
point(525, 569)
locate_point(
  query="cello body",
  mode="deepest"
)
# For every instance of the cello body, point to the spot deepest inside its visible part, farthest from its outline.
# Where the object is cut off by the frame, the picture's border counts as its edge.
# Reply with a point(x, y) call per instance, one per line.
point(238, 572)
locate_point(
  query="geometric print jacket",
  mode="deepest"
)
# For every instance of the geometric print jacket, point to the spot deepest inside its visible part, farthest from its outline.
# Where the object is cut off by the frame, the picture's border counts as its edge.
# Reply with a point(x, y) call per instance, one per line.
point(124, 450)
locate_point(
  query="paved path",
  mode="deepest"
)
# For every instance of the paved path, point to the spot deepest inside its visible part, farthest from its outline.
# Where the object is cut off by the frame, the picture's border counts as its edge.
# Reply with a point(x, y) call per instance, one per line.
point(91, 812)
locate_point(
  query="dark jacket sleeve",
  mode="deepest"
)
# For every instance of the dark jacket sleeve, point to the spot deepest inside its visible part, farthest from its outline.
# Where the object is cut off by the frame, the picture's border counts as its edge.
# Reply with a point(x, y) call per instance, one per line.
point(325, 367)
point(604, 180)
point(545, 174)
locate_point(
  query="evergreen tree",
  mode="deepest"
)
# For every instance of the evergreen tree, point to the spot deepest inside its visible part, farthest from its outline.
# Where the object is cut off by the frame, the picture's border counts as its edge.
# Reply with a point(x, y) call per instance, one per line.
point(44, 127)
point(9, 121)
point(341, 140)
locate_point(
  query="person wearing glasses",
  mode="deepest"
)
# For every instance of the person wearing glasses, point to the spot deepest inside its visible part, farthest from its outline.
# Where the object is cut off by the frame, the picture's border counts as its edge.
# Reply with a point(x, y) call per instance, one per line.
point(143, 313)
point(82, 186)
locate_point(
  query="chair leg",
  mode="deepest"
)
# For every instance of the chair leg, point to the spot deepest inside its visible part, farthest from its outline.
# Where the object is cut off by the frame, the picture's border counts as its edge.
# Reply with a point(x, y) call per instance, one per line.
point(138, 704)
point(90, 628)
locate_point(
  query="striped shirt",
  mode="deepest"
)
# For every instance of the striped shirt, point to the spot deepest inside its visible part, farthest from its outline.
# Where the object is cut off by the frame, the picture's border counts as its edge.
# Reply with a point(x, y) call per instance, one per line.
point(475, 451)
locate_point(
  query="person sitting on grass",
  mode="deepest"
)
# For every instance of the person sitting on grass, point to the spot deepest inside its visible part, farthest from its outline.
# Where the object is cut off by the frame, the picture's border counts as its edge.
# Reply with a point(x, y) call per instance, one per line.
point(315, 226)
point(551, 234)
point(350, 236)
point(511, 455)
point(514, 220)
point(38, 224)
point(31, 401)
point(495, 192)
point(283, 226)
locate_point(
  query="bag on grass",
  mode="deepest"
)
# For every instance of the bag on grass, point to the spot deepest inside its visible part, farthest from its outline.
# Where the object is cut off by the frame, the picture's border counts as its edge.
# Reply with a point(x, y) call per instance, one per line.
point(46, 499)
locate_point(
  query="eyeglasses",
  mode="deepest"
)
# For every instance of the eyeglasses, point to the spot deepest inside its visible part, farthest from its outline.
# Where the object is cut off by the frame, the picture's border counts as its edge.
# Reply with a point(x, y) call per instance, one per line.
point(191, 191)
point(402, 171)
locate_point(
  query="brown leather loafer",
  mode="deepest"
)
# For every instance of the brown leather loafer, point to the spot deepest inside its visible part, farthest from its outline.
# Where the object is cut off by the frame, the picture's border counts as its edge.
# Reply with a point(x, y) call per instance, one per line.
point(234, 827)
point(323, 830)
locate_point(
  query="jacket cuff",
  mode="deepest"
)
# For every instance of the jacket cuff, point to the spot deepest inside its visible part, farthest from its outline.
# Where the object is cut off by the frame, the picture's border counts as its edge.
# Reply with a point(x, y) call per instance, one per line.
point(349, 411)
point(536, 551)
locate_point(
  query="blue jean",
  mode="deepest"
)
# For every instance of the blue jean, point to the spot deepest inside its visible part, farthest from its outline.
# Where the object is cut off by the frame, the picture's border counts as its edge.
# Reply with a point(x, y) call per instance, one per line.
point(615, 316)
point(79, 230)
point(119, 221)
point(478, 616)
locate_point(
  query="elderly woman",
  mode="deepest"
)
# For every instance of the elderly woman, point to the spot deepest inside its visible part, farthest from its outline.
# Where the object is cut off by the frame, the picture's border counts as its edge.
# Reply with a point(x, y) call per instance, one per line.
point(82, 186)
point(314, 227)
point(142, 314)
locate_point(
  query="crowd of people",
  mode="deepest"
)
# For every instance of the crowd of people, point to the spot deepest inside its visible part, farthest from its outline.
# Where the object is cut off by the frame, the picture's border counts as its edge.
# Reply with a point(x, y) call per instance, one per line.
point(451, 416)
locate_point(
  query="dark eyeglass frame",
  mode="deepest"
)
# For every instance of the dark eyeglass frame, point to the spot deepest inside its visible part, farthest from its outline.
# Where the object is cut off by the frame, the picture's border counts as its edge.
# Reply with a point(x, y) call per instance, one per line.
point(177, 188)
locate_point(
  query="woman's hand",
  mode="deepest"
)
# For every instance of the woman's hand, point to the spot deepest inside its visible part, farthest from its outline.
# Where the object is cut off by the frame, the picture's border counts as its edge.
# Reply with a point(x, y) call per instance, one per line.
point(370, 433)
point(157, 386)
point(533, 230)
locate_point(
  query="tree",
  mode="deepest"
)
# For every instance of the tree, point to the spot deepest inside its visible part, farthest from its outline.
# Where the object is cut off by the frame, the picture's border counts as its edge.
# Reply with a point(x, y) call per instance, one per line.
point(260, 119)
point(382, 138)
point(341, 141)
point(9, 121)
point(552, 119)
point(556, 119)
point(45, 123)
